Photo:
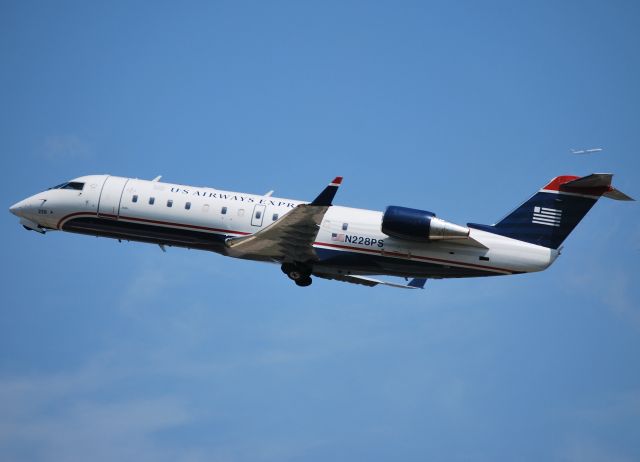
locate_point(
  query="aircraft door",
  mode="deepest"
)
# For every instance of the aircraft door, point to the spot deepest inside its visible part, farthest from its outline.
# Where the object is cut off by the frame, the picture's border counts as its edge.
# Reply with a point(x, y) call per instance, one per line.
point(110, 197)
point(258, 215)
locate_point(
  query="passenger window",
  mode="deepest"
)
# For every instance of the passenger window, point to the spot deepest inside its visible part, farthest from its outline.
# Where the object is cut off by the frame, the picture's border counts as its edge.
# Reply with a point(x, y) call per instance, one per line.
point(274, 217)
point(187, 205)
point(205, 208)
point(223, 211)
point(152, 200)
point(134, 198)
point(169, 203)
point(258, 215)
point(345, 226)
point(240, 212)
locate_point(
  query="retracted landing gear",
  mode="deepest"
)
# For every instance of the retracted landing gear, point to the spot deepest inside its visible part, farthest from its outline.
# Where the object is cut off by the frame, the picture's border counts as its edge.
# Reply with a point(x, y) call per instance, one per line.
point(299, 274)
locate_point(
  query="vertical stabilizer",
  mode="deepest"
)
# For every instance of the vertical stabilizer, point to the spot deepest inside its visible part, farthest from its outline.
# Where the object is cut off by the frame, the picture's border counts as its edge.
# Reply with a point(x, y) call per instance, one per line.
point(550, 215)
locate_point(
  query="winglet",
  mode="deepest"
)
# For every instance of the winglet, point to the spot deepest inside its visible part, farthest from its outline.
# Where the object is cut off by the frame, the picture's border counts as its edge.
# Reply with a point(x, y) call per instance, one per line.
point(326, 196)
point(417, 283)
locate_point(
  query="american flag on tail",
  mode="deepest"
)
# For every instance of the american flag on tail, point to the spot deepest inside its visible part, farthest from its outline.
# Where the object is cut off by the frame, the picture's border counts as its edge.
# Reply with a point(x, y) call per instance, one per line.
point(546, 216)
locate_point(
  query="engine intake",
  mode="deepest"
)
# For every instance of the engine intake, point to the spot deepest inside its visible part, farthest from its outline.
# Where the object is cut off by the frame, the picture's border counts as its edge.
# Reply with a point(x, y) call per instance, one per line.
point(419, 225)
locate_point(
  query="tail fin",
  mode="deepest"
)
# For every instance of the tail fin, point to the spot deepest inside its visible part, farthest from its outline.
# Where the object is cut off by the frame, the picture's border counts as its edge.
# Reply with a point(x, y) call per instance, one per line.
point(550, 215)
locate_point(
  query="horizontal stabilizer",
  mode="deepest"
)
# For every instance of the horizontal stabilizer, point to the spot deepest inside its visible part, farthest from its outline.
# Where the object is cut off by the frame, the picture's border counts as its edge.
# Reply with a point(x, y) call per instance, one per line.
point(595, 180)
point(596, 183)
point(617, 195)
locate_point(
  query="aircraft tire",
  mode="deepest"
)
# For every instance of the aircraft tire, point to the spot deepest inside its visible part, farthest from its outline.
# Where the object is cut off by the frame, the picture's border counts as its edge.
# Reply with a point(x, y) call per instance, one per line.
point(304, 281)
point(295, 272)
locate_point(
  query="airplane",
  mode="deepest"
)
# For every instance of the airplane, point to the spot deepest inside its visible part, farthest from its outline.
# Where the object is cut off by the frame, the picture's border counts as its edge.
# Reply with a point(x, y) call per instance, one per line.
point(318, 238)
point(585, 151)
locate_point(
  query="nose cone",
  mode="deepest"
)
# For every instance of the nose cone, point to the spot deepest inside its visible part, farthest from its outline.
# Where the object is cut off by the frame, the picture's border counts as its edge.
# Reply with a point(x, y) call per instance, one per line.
point(15, 208)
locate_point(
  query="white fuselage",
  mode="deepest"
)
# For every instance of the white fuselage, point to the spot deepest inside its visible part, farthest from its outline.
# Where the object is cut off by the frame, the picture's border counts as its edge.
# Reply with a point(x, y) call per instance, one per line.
point(349, 240)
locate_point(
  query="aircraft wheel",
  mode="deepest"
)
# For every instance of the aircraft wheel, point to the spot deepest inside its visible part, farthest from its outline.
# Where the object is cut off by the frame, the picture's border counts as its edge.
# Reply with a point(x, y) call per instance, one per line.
point(295, 275)
point(304, 281)
point(295, 272)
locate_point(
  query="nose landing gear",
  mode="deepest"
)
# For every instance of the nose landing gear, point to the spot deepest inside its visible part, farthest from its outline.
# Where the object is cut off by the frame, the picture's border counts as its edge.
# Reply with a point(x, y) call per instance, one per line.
point(299, 274)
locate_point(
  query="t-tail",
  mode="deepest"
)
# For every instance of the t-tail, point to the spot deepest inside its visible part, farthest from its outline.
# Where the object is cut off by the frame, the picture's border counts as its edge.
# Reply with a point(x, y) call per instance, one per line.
point(550, 215)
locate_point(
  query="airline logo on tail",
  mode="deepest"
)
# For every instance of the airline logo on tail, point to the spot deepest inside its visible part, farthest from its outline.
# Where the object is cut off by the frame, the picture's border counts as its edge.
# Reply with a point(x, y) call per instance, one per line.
point(546, 216)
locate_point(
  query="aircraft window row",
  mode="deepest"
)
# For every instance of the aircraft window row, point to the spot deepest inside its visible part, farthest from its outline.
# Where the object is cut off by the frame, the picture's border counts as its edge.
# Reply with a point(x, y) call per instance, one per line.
point(74, 185)
point(345, 226)
point(274, 217)
point(205, 208)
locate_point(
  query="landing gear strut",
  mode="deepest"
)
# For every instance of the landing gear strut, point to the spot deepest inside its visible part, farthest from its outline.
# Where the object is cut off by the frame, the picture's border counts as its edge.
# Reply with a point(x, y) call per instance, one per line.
point(298, 274)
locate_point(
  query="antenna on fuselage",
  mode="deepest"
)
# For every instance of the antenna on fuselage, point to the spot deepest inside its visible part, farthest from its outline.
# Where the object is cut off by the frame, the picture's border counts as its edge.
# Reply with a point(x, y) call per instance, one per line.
point(157, 178)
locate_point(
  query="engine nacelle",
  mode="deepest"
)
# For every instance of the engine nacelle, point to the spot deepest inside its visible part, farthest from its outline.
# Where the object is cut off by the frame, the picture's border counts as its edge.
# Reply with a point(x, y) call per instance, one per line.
point(419, 225)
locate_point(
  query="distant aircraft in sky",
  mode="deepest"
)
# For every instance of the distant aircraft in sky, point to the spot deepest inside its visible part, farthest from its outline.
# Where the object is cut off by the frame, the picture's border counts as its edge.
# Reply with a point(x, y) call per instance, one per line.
point(317, 238)
point(586, 151)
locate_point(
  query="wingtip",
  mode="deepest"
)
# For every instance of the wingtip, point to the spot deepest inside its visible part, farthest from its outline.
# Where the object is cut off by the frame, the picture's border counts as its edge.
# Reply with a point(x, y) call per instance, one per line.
point(417, 283)
point(325, 198)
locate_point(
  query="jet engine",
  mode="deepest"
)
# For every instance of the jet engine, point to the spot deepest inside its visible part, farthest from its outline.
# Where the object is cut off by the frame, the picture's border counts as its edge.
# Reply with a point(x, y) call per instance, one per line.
point(419, 225)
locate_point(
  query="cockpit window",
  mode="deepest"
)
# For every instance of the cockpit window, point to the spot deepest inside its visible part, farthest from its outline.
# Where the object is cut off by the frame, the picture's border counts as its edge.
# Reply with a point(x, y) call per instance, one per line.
point(75, 185)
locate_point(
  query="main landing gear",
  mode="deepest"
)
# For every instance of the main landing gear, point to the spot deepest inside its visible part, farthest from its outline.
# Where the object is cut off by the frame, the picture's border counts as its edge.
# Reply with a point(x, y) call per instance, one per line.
point(301, 275)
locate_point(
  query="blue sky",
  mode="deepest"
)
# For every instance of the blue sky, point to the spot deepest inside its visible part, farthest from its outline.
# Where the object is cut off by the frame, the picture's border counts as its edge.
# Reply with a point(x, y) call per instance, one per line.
point(120, 352)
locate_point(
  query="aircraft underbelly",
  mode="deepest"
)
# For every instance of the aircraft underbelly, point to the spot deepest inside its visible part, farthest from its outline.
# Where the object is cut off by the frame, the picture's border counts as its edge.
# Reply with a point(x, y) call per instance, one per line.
point(344, 262)
point(139, 232)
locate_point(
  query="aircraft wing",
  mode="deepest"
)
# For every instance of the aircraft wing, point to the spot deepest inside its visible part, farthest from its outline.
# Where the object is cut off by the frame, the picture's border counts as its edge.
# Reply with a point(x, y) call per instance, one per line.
point(291, 238)
point(417, 283)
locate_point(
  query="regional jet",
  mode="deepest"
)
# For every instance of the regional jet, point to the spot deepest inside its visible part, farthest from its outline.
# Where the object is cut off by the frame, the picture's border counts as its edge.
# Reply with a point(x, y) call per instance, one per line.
point(318, 238)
